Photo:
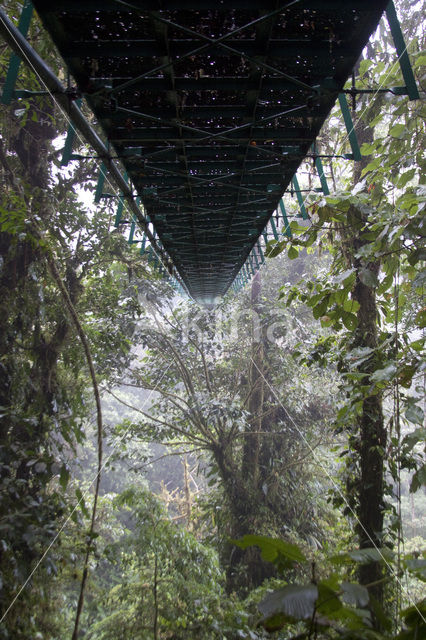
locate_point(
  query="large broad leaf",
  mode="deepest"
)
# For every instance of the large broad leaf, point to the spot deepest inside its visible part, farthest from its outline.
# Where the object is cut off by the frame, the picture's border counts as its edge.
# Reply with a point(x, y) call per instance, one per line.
point(417, 566)
point(272, 549)
point(415, 414)
point(355, 594)
point(411, 439)
point(328, 601)
point(369, 278)
point(419, 479)
point(415, 615)
point(354, 619)
point(384, 375)
point(363, 556)
point(292, 603)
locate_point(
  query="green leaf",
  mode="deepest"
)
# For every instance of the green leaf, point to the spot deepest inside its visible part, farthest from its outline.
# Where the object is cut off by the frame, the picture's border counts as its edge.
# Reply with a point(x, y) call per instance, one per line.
point(352, 306)
point(292, 252)
point(416, 566)
point(320, 309)
point(418, 345)
point(419, 479)
point(367, 149)
point(398, 130)
point(355, 594)
point(384, 375)
point(363, 556)
point(349, 320)
point(328, 601)
point(293, 602)
point(421, 318)
point(81, 502)
point(405, 177)
point(64, 477)
point(368, 277)
point(273, 250)
point(415, 614)
point(411, 439)
point(419, 255)
point(415, 414)
point(345, 277)
point(272, 549)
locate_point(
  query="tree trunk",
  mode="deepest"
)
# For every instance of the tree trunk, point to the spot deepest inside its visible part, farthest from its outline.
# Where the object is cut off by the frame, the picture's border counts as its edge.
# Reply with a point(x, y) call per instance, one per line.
point(371, 428)
point(250, 465)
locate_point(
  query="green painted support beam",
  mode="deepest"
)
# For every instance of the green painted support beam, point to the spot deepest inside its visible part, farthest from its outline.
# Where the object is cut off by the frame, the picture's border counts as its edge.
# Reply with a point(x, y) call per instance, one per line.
point(69, 140)
point(120, 206)
point(15, 60)
point(132, 232)
point(119, 213)
point(274, 228)
point(287, 229)
point(262, 257)
point(256, 260)
point(143, 245)
point(350, 127)
point(100, 184)
point(251, 266)
point(401, 49)
point(299, 196)
point(323, 179)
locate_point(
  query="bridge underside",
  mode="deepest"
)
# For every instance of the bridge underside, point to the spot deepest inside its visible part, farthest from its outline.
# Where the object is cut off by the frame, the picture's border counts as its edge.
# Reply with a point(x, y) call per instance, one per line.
point(211, 107)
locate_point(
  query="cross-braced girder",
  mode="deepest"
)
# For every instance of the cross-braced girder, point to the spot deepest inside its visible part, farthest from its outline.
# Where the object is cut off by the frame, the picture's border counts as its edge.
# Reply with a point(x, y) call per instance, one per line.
point(211, 107)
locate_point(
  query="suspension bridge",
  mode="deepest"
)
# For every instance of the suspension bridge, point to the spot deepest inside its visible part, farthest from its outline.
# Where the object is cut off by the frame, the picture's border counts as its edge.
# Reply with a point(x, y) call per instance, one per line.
point(203, 111)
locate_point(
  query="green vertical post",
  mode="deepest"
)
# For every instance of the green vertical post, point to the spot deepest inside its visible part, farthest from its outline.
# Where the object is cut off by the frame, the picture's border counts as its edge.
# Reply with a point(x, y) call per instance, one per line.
point(143, 245)
point(401, 49)
point(286, 222)
point(15, 61)
point(350, 127)
point(299, 196)
point(251, 266)
point(120, 207)
point(262, 257)
point(132, 231)
point(256, 260)
point(323, 180)
point(119, 213)
point(100, 184)
point(274, 228)
point(69, 141)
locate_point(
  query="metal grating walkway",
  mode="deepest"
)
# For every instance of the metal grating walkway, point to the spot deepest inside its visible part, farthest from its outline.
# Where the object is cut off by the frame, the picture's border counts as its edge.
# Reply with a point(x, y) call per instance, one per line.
point(211, 107)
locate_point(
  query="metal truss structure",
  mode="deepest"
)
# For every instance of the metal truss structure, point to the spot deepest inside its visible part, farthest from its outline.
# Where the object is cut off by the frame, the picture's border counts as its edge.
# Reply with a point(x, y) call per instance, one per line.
point(207, 109)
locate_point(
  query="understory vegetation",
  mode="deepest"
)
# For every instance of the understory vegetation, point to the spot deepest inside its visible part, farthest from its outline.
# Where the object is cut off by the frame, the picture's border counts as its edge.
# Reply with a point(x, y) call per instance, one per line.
point(254, 471)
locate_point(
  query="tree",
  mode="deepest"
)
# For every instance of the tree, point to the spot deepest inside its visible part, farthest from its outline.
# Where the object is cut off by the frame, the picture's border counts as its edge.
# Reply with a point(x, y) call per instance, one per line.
point(216, 392)
point(168, 584)
point(43, 374)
